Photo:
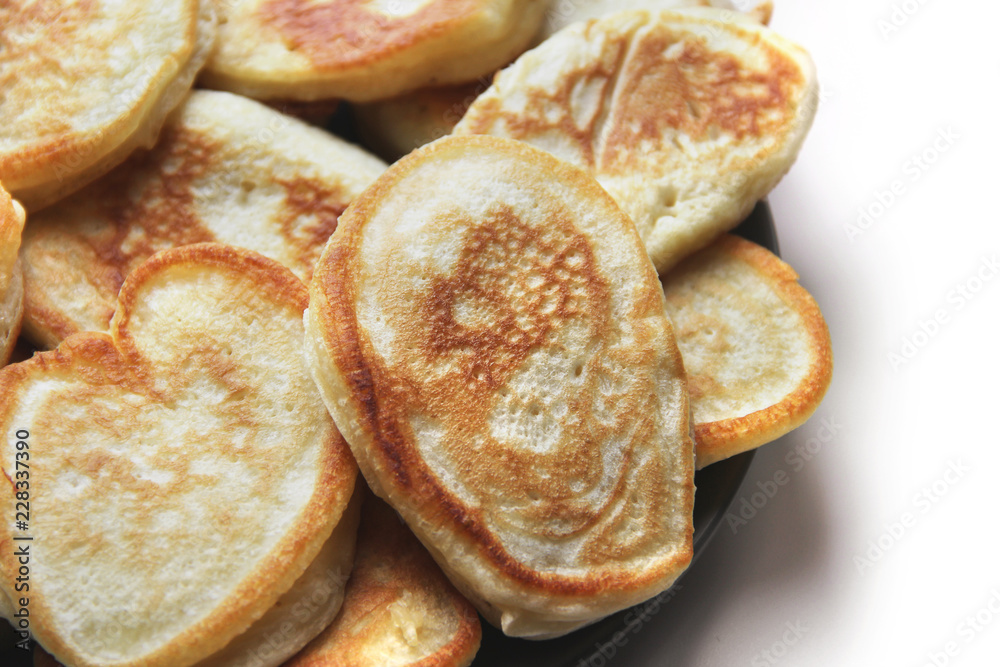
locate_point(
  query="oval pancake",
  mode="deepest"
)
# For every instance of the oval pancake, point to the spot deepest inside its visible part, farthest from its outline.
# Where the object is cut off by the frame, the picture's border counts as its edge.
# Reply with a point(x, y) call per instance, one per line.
point(226, 169)
point(399, 609)
point(755, 345)
point(183, 469)
point(86, 82)
point(364, 50)
point(11, 281)
point(686, 118)
point(491, 339)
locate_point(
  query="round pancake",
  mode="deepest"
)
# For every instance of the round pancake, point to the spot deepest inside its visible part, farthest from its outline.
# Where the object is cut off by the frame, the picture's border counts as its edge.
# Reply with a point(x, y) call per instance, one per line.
point(686, 118)
point(226, 169)
point(754, 343)
point(395, 127)
point(183, 469)
point(491, 339)
point(364, 50)
point(399, 608)
point(85, 82)
point(11, 281)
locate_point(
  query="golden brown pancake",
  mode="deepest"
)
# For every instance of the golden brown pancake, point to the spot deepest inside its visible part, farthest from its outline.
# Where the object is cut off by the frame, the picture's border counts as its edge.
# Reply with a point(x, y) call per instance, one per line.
point(11, 282)
point(397, 126)
point(183, 469)
point(491, 339)
point(686, 118)
point(755, 346)
point(364, 50)
point(399, 608)
point(227, 169)
point(86, 82)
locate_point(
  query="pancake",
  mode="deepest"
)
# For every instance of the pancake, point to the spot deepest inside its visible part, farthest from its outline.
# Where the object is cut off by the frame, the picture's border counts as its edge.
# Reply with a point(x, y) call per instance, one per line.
point(86, 82)
point(562, 14)
point(298, 616)
point(226, 170)
point(183, 469)
point(491, 340)
point(11, 282)
point(686, 118)
point(364, 50)
point(397, 126)
point(399, 608)
point(754, 343)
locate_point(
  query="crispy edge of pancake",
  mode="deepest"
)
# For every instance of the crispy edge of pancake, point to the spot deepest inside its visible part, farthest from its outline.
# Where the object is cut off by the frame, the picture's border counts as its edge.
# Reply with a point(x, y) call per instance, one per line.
point(244, 604)
point(334, 350)
point(128, 133)
point(391, 563)
point(722, 439)
point(453, 50)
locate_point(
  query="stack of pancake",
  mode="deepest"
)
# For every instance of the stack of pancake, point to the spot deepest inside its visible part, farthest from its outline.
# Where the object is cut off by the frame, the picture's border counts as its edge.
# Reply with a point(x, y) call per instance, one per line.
point(526, 334)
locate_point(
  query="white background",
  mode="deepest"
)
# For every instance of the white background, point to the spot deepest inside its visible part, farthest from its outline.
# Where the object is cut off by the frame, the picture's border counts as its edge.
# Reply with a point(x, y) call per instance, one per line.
point(807, 560)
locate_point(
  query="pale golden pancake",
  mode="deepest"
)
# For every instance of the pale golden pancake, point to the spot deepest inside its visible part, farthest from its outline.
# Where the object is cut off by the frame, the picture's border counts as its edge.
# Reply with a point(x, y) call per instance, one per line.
point(754, 343)
point(364, 50)
point(491, 339)
point(227, 169)
point(183, 469)
point(397, 126)
point(299, 615)
point(11, 282)
point(399, 608)
point(686, 118)
point(86, 82)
